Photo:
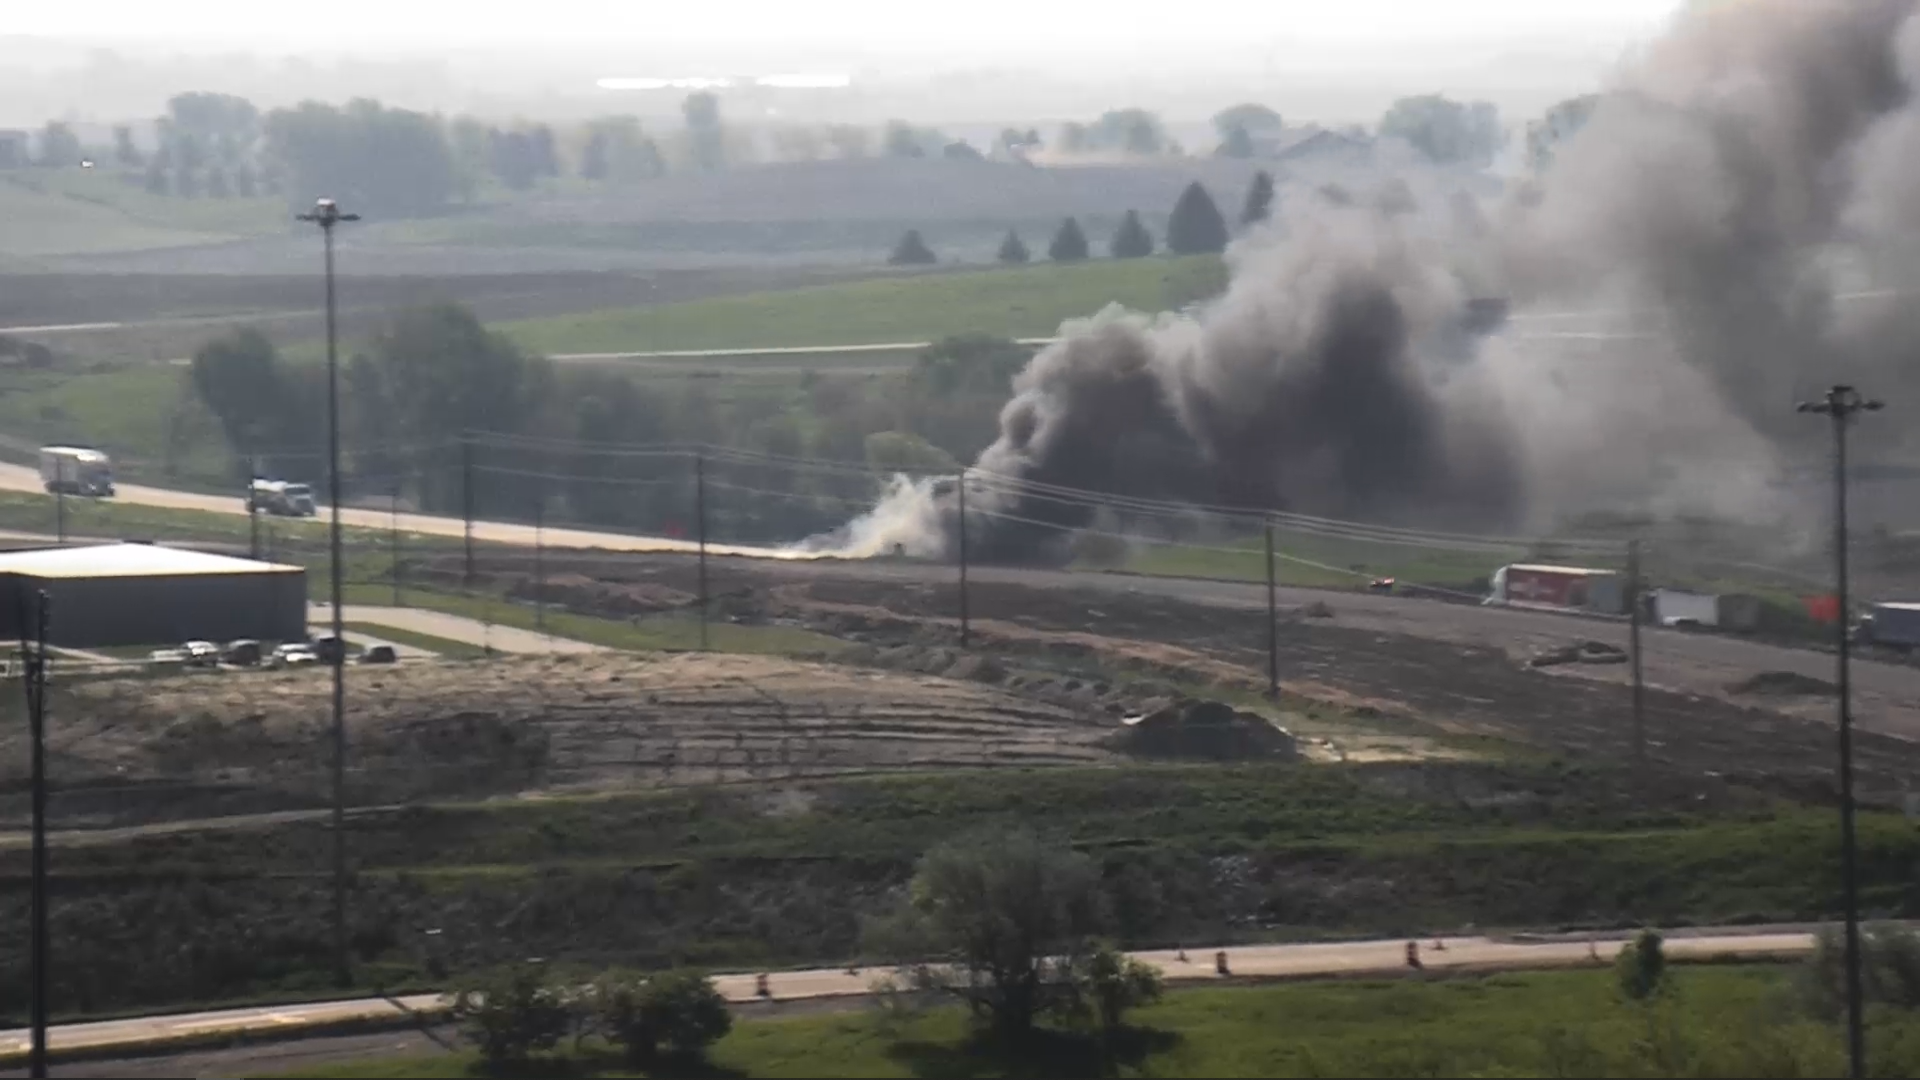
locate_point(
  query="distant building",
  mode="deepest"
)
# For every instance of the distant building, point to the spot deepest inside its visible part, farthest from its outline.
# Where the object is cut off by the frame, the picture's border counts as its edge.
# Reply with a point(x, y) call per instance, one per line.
point(16, 149)
point(1303, 144)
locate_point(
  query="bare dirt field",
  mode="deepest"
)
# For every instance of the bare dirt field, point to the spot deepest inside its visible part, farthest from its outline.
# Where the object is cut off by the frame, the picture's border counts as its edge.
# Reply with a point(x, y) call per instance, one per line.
point(132, 749)
point(1463, 669)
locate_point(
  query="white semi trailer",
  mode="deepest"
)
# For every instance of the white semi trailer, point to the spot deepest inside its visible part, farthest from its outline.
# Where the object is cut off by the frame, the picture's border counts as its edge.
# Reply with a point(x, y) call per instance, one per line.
point(76, 470)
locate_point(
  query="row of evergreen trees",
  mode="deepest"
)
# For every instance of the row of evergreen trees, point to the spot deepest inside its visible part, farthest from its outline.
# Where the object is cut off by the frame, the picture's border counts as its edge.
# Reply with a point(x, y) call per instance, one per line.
point(1195, 227)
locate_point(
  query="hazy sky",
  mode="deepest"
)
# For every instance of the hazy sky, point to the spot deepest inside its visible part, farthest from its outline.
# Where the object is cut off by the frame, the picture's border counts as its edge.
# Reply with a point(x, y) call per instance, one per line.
point(988, 26)
point(1327, 60)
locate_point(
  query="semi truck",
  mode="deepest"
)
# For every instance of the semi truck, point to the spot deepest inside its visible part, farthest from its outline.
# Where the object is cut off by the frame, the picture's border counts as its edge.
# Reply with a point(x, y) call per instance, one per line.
point(280, 498)
point(1559, 586)
point(1895, 625)
point(76, 470)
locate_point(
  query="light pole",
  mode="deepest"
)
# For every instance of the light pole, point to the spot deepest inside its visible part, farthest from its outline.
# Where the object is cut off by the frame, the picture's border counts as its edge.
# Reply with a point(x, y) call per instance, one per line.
point(1839, 404)
point(326, 214)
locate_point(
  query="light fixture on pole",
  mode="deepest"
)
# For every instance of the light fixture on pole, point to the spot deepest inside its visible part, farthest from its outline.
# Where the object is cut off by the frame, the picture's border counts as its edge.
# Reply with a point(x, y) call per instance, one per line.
point(326, 214)
point(1840, 404)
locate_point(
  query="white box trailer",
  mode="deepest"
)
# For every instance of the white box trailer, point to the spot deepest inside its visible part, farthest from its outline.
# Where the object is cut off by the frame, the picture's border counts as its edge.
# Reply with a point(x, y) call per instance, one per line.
point(1672, 607)
point(76, 470)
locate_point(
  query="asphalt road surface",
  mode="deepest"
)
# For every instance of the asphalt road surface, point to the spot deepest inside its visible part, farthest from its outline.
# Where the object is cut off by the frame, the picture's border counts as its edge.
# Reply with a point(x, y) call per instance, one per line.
point(1253, 961)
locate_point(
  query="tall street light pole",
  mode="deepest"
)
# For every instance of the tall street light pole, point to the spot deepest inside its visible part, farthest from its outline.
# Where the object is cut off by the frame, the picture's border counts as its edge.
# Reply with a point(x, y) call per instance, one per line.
point(326, 214)
point(1840, 404)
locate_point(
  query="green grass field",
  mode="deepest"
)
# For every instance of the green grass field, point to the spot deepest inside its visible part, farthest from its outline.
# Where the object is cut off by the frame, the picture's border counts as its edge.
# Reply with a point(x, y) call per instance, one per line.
point(1319, 562)
point(75, 212)
point(1026, 302)
point(446, 648)
point(1714, 1021)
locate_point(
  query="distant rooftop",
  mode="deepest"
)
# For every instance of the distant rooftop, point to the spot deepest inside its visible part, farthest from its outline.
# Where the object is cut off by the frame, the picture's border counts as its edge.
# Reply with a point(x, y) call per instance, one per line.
point(128, 560)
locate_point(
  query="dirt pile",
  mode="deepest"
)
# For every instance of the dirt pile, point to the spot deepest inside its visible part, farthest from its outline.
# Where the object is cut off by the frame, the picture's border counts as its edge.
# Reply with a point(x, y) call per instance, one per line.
point(1204, 730)
point(1783, 684)
point(1583, 652)
point(618, 598)
point(574, 723)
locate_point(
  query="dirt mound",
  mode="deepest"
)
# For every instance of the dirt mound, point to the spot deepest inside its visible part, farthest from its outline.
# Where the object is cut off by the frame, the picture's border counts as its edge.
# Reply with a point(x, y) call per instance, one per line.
point(572, 723)
point(1783, 684)
point(618, 598)
point(1206, 730)
point(1584, 652)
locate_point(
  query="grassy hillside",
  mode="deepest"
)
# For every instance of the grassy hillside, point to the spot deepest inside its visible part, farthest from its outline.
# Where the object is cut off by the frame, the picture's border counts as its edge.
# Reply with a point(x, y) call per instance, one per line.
point(758, 878)
point(70, 212)
point(1029, 301)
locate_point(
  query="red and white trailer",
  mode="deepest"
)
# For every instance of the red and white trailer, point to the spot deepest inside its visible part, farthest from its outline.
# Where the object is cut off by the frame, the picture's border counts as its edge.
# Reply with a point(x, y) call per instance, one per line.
point(1572, 587)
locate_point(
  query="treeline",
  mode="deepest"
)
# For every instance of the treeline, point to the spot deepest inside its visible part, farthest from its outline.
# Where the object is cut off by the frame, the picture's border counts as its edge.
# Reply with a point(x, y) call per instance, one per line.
point(1195, 227)
point(434, 375)
point(395, 161)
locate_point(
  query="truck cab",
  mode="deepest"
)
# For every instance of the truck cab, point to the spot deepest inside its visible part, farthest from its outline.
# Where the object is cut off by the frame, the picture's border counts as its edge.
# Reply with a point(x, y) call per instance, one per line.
point(280, 498)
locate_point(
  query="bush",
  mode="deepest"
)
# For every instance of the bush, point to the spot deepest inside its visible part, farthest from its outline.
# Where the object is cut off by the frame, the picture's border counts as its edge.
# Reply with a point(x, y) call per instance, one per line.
point(1889, 969)
point(511, 1013)
point(681, 1010)
point(1640, 966)
point(912, 250)
point(1111, 982)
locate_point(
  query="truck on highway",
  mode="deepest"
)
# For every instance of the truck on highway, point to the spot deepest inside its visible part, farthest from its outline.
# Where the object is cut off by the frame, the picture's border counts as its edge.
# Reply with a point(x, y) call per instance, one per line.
point(1895, 625)
point(280, 498)
point(76, 470)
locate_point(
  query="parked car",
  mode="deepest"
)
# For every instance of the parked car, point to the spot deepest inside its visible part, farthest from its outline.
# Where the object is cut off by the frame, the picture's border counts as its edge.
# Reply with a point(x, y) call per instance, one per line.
point(378, 654)
point(293, 654)
point(201, 653)
point(166, 659)
point(244, 652)
point(330, 649)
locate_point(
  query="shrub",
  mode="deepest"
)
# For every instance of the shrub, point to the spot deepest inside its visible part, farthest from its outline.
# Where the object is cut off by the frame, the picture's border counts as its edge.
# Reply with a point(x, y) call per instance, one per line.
point(1641, 965)
point(681, 1010)
point(1111, 982)
point(508, 1014)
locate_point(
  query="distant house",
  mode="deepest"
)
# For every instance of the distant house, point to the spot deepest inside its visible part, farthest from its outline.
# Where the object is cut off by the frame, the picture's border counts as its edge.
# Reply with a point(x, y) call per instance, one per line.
point(1315, 144)
point(1312, 142)
point(16, 149)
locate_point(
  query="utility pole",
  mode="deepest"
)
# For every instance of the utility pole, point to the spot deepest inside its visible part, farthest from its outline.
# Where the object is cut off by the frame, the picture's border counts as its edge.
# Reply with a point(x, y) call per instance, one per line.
point(1633, 652)
point(60, 506)
point(253, 511)
point(540, 564)
point(1273, 621)
point(33, 662)
point(700, 524)
point(1840, 404)
point(393, 540)
point(466, 501)
point(966, 628)
point(326, 214)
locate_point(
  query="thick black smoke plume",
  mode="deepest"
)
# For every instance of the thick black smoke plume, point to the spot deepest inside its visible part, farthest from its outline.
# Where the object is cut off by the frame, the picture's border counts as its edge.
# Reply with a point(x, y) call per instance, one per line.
point(1744, 181)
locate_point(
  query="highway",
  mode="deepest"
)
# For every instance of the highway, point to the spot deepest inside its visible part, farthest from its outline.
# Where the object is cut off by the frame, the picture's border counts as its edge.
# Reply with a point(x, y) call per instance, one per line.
point(1197, 965)
point(21, 478)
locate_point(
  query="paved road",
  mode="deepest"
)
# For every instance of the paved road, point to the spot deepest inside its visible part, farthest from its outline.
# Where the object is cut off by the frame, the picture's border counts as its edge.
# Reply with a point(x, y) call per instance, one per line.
point(20, 478)
point(506, 639)
point(1257, 961)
